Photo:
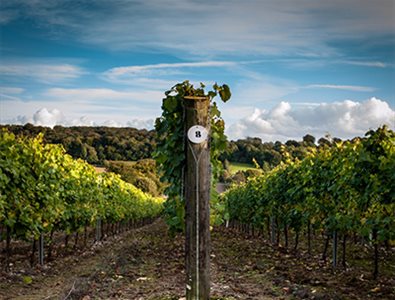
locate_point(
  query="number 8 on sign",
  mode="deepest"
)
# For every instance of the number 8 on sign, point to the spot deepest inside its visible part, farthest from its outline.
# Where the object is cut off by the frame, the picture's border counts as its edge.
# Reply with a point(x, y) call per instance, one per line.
point(197, 134)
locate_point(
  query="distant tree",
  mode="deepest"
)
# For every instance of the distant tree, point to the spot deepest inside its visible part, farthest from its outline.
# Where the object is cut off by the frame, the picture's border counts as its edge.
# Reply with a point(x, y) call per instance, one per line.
point(309, 140)
point(292, 143)
point(143, 174)
point(322, 142)
point(277, 146)
point(336, 140)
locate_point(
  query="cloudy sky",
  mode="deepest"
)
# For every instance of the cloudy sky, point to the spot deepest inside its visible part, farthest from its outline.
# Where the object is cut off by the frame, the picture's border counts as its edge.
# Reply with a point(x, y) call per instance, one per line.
point(294, 66)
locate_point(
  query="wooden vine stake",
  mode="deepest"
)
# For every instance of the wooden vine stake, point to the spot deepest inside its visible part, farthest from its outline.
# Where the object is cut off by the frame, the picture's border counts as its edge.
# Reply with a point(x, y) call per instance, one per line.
point(197, 178)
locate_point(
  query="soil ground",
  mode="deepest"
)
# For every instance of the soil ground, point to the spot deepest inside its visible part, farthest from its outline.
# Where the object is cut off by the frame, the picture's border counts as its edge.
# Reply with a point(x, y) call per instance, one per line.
point(146, 263)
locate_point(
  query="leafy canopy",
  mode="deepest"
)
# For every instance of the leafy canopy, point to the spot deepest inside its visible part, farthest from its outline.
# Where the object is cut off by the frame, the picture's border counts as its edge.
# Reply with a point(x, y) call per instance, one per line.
point(170, 152)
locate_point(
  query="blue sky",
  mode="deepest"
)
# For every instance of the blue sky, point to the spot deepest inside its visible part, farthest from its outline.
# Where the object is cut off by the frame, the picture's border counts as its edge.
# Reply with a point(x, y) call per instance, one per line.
point(294, 66)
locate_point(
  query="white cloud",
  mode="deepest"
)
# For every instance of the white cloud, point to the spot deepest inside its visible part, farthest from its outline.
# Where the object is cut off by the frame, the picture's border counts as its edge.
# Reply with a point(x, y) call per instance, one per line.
point(141, 123)
point(211, 28)
point(111, 123)
point(11, 90)
point(99, 95)
point(285, 121)
point(341, 119)
point(158, 76)
point(354, 88)
point(84, 106)
point(7, 16)
point(137, 70)
point(139, 83)
point(10, 93)
point(258, 89)
point(373, 64)
point(49, 118)
point(52, 117)
point(81, 121)
point(45, 73)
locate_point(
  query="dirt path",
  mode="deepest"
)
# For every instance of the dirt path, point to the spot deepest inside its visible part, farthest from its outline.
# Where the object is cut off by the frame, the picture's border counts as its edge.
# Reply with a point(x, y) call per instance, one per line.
point(147, 264)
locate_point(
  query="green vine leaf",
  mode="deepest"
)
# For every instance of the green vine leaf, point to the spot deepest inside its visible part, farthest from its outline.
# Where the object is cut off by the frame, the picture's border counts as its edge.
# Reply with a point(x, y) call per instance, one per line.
point(170, 104)
point(224, 91)
point(170, 153)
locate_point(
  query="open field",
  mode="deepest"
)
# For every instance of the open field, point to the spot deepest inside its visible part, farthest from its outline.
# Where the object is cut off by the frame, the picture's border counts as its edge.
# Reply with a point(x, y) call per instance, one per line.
point(235, 167)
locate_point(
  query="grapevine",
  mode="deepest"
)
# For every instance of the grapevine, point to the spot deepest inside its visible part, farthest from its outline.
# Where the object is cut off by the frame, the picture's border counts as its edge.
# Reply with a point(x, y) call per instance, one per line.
point(346, 190)
point(170, 153)
point(42, 189)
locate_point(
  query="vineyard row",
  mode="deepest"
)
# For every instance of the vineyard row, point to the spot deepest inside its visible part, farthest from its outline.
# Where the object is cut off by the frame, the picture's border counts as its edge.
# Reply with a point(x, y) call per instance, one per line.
point(43, 190)
point(347, 190)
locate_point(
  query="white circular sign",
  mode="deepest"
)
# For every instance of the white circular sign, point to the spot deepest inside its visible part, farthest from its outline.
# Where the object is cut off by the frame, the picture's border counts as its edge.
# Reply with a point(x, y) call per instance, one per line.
point(197, 134)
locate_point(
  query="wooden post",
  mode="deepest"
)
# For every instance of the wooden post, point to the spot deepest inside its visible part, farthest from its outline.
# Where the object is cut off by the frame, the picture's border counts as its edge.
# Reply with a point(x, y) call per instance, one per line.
point(197, 195)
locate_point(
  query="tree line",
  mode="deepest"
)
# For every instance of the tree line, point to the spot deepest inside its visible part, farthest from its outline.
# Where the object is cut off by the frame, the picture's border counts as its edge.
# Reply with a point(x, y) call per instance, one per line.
point(270, 154)
point(96, 145)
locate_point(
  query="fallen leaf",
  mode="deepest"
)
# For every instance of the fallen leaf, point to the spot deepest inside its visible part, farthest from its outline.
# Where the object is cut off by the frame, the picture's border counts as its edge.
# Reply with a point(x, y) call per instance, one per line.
point(142, 279)
point(27, 279)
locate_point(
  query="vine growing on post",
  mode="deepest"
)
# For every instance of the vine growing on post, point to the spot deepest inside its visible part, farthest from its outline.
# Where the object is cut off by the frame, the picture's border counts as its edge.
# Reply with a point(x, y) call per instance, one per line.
point(170, 151)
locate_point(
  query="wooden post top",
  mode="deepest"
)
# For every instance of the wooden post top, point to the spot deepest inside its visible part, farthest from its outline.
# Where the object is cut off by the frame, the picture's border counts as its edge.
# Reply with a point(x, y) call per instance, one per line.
point(196, 98)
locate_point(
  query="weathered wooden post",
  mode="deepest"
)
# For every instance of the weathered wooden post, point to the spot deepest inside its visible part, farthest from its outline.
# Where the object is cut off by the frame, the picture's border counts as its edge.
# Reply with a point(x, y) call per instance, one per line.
point(197, 195)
